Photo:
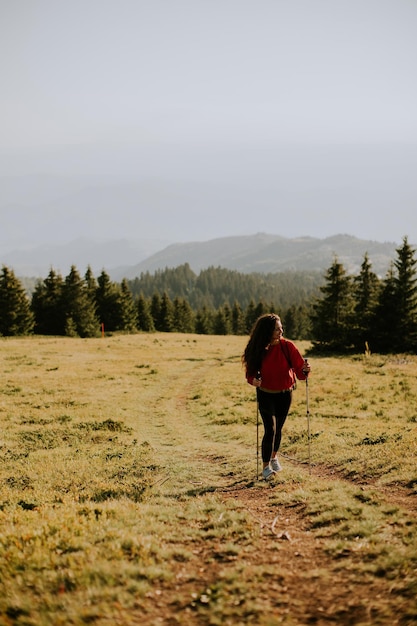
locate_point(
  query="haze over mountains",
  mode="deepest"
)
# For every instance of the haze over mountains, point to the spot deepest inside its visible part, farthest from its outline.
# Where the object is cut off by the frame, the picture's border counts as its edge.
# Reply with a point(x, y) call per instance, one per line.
point(206, 192)
point(139, 135)
point(130, 227)
point(260, 252)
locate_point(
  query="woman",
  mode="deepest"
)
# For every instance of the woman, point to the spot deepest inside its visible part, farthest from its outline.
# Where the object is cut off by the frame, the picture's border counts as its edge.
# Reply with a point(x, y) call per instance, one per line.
point(272, 365)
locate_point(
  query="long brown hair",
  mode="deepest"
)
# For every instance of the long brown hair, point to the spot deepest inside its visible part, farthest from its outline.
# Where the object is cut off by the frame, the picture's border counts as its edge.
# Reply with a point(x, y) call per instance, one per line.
point(260, 338)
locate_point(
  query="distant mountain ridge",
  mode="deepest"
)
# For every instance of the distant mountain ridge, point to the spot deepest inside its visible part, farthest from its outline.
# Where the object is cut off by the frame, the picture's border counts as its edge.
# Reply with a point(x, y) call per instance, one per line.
point(118, 253)
point(261, 252)
point(266, 253)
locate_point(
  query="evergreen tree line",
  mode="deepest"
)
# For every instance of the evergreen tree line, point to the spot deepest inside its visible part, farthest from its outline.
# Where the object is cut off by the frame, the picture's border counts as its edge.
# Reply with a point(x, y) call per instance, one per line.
point(344, 313)
point(365, 313)
point(216, 286)
point(83, 306)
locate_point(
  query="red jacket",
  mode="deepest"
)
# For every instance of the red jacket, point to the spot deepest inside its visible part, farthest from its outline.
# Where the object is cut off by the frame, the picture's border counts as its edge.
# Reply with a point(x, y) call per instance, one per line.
point(276, 372)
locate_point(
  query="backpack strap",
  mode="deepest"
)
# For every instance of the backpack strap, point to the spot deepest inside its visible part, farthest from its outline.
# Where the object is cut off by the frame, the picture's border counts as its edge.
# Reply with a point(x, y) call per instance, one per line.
point(286, 352)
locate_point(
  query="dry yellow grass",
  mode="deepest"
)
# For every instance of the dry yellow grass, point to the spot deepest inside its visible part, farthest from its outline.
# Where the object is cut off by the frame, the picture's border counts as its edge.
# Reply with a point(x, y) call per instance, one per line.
point(128, 491)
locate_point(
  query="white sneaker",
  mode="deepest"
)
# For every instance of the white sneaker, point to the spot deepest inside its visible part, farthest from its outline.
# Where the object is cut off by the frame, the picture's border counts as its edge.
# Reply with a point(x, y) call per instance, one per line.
point(268, 473)
point(275, 465)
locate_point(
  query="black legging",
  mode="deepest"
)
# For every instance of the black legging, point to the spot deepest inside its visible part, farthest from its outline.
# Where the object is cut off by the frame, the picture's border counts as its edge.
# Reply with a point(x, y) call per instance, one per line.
point(273, 408)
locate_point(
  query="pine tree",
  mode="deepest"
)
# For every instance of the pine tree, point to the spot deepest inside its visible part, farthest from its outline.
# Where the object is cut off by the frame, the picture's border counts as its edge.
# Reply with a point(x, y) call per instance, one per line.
point(228, 316)
point(80, 314)
point(16, 317)
point(395, 319)
point(47, 305)
point(107, 303)
point(116, 309)
point(332, 314)
point(289, 322)
point(303, 322)
point(221, 322)
point(385, 316)
point(204, 321)
point(261, 309)
point(183, 317)
point(167, 314)
point(366, 291)
point(156, 305)
point(405, 339)
point(145, 320)
point(250, 316)
point(238, 320)
point(90, 283)
point(127, 310)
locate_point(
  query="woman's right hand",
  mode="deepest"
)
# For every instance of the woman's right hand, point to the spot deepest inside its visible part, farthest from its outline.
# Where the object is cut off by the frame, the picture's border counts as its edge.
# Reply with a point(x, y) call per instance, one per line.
point(257, 382)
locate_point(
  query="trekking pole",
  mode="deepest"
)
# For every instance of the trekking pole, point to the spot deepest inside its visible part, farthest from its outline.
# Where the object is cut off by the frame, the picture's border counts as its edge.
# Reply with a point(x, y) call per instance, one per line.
point(308, 422)
point(257, 439)
point(258, 376)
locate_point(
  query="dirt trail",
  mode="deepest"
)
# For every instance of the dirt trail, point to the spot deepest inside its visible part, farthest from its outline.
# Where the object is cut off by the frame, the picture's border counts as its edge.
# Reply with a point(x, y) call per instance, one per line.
point(310, 587)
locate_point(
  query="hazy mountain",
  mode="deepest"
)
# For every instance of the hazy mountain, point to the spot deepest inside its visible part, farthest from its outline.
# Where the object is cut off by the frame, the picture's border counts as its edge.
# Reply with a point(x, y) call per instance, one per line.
point(253, 253)
point(270, 253)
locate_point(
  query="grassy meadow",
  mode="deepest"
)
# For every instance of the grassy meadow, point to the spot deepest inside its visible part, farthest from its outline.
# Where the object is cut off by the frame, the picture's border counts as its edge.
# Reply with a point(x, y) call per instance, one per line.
point(129, 490)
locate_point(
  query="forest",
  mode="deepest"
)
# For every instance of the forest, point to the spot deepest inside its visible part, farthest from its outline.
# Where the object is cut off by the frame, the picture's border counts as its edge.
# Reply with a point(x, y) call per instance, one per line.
point(337, 311)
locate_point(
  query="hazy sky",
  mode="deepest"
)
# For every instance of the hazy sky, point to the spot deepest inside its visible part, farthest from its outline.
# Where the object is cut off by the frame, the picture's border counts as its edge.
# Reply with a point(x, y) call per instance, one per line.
point(293, 117)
